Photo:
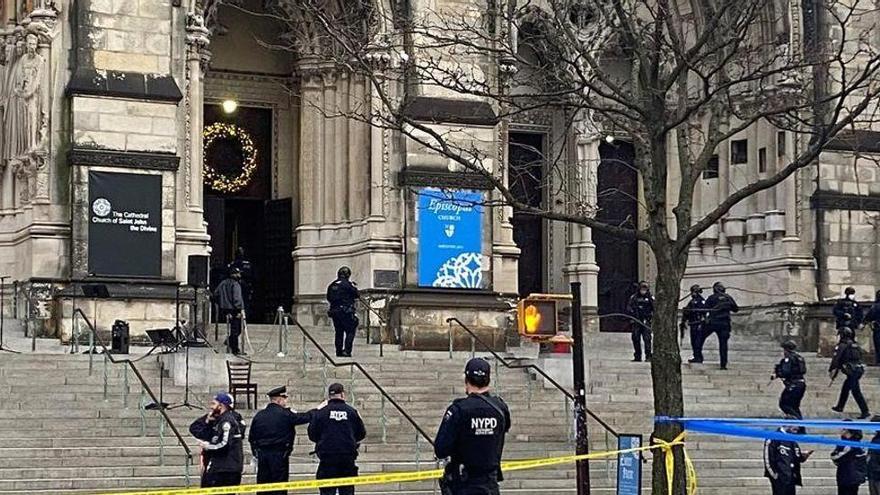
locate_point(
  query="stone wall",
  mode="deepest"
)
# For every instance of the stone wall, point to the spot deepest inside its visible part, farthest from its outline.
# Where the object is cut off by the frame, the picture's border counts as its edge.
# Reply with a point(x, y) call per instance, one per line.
point(128, 35)
point(124, 125)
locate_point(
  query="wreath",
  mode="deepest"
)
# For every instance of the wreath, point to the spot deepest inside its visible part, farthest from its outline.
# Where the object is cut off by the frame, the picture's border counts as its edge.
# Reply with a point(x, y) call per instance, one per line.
point(226, 183)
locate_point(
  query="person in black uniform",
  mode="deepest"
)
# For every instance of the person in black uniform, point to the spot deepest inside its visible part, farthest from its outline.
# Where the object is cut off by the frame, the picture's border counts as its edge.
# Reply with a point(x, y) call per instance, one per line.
point(874, 463)
point(273, 432)
point(471, 435)
point(852, 464)
point(693, 315)
point(848, 359)
point(641, 308)
point(847, 312)
point(873, 317)
point(337, 431)
point(782, 462)
point(719, 305)
point(791, 370)
point(342, 294)
point(231, 303)
point(220, 434)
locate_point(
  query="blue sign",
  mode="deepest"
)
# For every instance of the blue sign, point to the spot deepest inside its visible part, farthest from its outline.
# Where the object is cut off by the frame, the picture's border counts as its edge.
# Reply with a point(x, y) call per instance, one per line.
point(450, 238)
point(629, 466)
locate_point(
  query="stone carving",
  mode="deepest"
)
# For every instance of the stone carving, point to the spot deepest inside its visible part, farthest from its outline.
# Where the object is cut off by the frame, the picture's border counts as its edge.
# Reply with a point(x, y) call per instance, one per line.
point(23, 113)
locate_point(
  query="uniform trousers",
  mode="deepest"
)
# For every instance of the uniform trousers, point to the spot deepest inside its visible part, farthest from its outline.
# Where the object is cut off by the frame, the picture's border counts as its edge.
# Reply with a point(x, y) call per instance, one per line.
point(273, 466)
point(641, 331)
point(482, 485)
point(212, 479)
point(848, 490)
point(345, 325)
point(792, 395)
point(780, 488)
point(337, 467)
point(852, 385)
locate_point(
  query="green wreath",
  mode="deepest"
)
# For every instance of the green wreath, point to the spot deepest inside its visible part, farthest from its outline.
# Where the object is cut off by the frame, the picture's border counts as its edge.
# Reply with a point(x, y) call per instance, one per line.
point(221, 182)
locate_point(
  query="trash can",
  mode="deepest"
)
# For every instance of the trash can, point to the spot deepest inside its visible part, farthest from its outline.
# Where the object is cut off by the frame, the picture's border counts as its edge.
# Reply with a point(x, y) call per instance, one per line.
point(120, 337)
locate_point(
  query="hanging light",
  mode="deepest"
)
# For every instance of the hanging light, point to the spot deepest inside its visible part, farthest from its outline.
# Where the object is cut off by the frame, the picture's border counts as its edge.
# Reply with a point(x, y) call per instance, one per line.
point(229, 106)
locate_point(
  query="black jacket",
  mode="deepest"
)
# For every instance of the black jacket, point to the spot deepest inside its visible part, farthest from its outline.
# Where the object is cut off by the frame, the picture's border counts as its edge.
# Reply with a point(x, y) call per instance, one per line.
point(341, 295)
point(873, 316)
point(694, 313)
point(852, 466)
point(718, 308)
point(225, 436)
point(847, 313)
point(274, 428)
point(641, 307)
point(847, 357)
point(874, 460)
point(791, 368)
point(472, 434)
point(337, 429)
point(782, 461)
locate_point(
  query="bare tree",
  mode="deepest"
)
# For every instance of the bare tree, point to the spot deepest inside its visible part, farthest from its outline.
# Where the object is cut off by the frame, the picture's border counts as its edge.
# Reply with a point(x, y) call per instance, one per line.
point(677, 79)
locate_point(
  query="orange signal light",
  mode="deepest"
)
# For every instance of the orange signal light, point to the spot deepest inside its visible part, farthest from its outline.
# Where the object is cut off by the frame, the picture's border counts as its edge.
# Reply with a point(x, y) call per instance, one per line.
point(532, 319)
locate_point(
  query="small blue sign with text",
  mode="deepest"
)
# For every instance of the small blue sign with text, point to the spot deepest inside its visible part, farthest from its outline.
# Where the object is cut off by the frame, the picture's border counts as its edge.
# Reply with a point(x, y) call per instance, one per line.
point(450, 238)
point(629, 466)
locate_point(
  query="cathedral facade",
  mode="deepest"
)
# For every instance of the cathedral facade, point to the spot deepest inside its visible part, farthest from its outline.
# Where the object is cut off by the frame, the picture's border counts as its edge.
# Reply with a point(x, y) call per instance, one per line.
point(141, 135)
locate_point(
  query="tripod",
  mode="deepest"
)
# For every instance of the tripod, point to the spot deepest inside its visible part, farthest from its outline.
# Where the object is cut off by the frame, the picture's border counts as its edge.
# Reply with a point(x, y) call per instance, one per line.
point(2, 316)
point(186, 342)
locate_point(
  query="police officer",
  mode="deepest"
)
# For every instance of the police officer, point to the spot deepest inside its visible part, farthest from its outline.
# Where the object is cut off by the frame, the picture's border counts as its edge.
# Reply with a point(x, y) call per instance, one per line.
point(220, 434)
point(719, 305)
point(782, 462)
point(337, 431)
point(874, 463)
point(244, 266)
point(641, 308)
point(851, 462)
point(791, 370)
point(847, 312)
point(229, 297)
point(342, 294)
point(471, 435)
point(693, 315)
point(873, 317)
point(848, 359)
point(273, 432)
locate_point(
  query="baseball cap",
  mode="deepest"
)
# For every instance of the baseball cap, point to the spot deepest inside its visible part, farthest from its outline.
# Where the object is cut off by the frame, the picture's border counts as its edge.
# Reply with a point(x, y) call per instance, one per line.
point(477, 367)
point(335, 389)
point(224, 399)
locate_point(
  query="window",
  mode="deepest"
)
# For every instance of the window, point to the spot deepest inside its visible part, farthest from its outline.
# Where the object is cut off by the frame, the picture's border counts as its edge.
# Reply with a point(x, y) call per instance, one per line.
point(762, 160)
point(780, 143)
point(711, 171)
point(739, 151)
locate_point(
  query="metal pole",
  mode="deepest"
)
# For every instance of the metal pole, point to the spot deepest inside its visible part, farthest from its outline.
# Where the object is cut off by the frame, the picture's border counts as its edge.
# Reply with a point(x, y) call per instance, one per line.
point(582, 443)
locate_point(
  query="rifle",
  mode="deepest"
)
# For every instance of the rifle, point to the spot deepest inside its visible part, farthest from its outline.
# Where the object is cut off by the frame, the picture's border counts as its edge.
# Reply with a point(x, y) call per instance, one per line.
point(834, 376)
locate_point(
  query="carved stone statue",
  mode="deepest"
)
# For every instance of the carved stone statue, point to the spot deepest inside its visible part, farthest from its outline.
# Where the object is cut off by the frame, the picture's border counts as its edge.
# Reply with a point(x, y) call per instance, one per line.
point(7, 59)
point(24, 113)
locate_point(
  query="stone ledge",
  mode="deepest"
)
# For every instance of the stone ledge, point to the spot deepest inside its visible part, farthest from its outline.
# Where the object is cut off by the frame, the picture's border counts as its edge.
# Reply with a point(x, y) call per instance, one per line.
point(123, 159)
point(153, 87)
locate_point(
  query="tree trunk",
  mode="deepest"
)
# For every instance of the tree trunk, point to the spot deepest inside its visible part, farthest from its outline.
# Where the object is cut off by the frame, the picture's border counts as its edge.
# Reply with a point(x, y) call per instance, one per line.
point(666, 365)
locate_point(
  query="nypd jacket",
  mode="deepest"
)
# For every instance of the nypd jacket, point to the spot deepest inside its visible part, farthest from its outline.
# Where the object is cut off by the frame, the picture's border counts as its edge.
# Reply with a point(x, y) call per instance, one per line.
point(694, 313)
point(852, 466)
point(782, 462)
point(641, 306)
point(718, 308)
point(874, 460)
point(341, 295)
point(791, 368)
point(336, 429)
point(274, 428)
point(847, 358)
point(472, 434)
point(847, 313)
point(224, 452)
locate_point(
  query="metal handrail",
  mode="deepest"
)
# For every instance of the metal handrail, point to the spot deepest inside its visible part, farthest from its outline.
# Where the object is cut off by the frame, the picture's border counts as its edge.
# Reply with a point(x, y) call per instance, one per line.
point(355, 364)
point(538, 370)
point(137, 373)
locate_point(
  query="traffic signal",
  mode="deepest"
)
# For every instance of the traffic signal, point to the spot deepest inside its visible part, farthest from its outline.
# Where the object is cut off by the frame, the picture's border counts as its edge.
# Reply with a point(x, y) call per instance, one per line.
point(536, 317)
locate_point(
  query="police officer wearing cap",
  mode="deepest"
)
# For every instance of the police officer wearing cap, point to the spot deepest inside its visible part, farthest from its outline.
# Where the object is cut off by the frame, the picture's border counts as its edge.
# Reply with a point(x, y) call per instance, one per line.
point(848, 359)
point(847, 312)
point(337, 430)
point(471, 435)
point(341, 295)
point(693, 315)
point(220, 434)
point(791, 370)
point(273, 432)
point(641, 308)
point(782, 462)
point(719, 305)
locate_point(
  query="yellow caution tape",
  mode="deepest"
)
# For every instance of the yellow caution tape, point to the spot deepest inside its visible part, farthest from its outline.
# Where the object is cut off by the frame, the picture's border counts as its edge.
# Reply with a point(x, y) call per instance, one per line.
point(411, 476)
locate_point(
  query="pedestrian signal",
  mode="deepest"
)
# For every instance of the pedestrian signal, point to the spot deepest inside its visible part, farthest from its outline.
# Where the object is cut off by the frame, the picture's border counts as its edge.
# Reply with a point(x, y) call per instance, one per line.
point(536, 318)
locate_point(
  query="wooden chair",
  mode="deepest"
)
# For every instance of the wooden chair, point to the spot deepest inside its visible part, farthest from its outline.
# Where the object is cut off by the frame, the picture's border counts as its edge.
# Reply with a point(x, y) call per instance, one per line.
point(239, 373)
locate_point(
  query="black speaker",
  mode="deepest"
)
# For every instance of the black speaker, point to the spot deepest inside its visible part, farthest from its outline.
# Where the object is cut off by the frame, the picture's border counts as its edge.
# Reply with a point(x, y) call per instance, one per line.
point(197, 270)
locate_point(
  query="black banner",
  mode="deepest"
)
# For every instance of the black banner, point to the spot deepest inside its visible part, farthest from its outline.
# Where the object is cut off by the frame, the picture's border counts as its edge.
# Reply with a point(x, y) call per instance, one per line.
point(125, 225)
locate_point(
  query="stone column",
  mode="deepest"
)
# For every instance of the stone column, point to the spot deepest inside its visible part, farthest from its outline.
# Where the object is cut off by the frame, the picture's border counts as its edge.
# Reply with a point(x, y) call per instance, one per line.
point(342, 165)
point(43, 23)
point(197, 39)
point(581, 266)
point(380, 58)
point(327, 167)
point(311, 149)
point(358, 150)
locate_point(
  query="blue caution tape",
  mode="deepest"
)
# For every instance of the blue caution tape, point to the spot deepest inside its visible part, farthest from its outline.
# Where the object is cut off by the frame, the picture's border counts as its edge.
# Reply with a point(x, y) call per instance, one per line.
point(737, 427)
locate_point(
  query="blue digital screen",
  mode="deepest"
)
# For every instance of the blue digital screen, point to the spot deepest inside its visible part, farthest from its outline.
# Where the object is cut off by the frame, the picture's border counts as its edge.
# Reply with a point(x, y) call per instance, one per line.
point(450, 240)
point(629, 466)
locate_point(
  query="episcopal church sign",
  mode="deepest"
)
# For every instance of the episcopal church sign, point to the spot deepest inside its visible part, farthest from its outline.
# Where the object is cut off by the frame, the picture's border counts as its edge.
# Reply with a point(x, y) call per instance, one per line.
point(450, 239)
point(125, 225)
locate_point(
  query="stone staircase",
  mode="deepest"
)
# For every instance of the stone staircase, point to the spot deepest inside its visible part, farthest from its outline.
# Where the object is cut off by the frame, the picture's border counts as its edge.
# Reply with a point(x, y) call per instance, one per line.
point(62, 436)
